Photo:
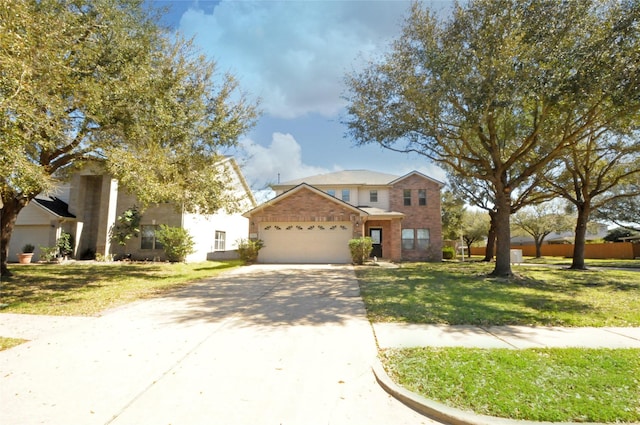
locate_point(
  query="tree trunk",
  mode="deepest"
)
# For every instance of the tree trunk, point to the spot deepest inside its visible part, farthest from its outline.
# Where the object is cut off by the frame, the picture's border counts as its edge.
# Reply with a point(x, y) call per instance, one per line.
point(491, 238)
point(8, 215)
point(538, 247)
point(581, 232)
point(503, 236)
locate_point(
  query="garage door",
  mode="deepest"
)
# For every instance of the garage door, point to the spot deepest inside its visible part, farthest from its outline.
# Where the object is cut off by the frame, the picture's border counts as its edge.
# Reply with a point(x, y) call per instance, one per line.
point(305, 242)
point(32, 234)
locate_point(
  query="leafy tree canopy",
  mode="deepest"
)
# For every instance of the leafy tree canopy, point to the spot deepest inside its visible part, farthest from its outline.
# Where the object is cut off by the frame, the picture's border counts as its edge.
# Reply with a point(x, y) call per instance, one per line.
point(624, 211)
point(616, 235)
point(501, 89)
point(100, 80)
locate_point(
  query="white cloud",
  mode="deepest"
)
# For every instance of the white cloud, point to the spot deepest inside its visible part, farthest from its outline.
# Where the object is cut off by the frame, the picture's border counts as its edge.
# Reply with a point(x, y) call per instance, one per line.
point(294, 54)
point(281, 159)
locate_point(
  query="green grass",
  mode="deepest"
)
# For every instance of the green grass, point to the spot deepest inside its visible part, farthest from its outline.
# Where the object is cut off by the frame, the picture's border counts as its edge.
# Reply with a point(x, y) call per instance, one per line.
point(557, 385)
point(81, 289)
point(6, 343)
point(462, 293)
point(561, 261)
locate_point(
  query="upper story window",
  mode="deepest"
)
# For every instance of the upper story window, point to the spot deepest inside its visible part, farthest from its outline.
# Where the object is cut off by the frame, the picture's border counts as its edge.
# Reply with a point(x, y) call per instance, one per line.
point(422, 196)
point(346, 195)
point(331, 192)
point(406, 194)
point(373, 196)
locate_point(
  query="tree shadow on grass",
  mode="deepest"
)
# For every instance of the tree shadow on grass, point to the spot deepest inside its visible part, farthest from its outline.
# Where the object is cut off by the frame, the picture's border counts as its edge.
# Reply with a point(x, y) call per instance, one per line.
point(61, 284)
point(464, 295)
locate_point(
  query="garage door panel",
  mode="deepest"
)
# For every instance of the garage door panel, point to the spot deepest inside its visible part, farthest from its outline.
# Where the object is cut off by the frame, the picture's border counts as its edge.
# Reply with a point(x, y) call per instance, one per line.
point(305, 242)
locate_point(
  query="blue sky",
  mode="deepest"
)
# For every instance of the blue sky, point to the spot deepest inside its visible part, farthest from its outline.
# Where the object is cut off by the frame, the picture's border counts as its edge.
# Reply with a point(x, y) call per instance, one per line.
point(294, 55)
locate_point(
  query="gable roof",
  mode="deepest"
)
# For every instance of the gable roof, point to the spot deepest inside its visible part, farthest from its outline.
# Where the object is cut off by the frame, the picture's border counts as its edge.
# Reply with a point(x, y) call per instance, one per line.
point(54, 206)
point(298, 188)
point(345, 177)
point(417, 173)
point(234, 164)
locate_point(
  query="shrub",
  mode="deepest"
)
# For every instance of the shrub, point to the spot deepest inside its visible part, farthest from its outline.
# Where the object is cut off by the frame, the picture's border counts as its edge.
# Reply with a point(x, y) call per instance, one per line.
point(448, 252)
point(48, 253)
point(28, 248)
point(65, 244)
point(248, 249)
point(127, 226)
point(360, 249)
point(176, 241)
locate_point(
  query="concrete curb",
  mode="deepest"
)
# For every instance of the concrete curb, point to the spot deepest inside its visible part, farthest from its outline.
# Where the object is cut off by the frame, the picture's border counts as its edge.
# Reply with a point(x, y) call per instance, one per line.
point(446, 414)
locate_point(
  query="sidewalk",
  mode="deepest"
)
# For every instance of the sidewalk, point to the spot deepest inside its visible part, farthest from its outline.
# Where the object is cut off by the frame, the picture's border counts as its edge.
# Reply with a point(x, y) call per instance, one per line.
point(401, 335)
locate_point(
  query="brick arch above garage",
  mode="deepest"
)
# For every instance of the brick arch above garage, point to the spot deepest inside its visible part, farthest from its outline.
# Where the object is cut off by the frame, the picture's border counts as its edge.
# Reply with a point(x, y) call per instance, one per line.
point(304, 205)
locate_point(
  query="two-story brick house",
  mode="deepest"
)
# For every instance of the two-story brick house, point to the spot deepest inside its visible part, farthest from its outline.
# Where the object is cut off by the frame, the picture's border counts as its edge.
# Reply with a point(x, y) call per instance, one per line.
point(312, 219)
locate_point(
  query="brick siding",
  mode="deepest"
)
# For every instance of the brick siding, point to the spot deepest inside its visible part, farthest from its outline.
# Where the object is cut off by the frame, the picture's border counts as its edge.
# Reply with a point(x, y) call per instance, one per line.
point(305, 206)
point(420, 216)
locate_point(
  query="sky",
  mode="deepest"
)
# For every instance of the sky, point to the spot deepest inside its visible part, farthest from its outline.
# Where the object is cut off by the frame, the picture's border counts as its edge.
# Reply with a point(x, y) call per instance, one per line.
point(294, 56)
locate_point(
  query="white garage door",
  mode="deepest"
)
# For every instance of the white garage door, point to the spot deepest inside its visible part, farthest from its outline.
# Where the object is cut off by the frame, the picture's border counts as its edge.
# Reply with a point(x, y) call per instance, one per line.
point(305, 242)
point(32, 234)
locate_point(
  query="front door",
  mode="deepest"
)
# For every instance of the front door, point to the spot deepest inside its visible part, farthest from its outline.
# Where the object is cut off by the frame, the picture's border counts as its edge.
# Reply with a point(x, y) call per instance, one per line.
point(376, 237)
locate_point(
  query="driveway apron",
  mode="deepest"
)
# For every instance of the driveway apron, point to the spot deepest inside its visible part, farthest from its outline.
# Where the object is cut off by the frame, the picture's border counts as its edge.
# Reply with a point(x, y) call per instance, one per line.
point(258, 345)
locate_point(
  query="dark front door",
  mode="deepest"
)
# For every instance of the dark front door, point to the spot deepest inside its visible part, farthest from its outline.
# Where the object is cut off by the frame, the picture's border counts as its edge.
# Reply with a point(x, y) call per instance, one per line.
point(376, 236)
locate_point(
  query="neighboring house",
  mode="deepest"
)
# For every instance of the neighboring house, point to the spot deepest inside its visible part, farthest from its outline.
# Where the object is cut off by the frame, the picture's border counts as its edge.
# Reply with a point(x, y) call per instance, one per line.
point(40, 223)
point(311, 220)
point(93, 203)
point(595, 232)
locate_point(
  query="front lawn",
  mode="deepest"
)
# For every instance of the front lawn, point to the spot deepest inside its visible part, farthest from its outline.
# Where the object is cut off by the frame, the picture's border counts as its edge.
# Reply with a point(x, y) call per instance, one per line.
point(462, 293)
point(589, 262)
point(84, 289)
point(571, 385)
point(556, 385)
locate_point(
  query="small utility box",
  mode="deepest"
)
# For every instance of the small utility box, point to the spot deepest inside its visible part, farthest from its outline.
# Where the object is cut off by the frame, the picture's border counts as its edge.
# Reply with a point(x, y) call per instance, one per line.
point(516, 256)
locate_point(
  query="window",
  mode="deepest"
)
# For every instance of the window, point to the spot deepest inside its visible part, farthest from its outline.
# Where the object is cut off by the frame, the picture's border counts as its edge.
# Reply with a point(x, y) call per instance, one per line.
point(407, 238)
point(346, 195)
point(422, 239)
point(220, 241)
point(422, 196)
point(331, 192)
point(148, 237)
point(373, 196)
point(407, 196)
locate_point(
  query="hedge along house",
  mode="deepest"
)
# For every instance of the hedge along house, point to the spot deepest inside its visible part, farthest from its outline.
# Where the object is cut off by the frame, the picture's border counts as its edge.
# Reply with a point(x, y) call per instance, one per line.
point(311, 220)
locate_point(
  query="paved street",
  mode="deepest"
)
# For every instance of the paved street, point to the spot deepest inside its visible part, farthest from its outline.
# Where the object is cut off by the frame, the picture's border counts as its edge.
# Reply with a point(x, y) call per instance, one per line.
point(258, 345)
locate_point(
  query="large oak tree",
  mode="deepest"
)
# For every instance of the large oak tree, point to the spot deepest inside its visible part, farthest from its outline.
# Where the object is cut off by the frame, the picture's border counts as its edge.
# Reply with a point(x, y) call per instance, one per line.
point(100, 80)
point(500, 90)
point(599, 172)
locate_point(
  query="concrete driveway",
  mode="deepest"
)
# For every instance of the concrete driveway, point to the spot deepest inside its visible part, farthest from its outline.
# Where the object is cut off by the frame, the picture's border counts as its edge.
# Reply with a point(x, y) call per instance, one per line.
point(258, 345)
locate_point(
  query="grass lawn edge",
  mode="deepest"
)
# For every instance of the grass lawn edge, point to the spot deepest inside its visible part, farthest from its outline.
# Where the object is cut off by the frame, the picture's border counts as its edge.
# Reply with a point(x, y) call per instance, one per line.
point(553, 382)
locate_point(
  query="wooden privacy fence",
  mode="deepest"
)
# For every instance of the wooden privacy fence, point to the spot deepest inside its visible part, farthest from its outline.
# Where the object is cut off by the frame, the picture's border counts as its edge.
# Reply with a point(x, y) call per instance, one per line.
point(621, 250)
